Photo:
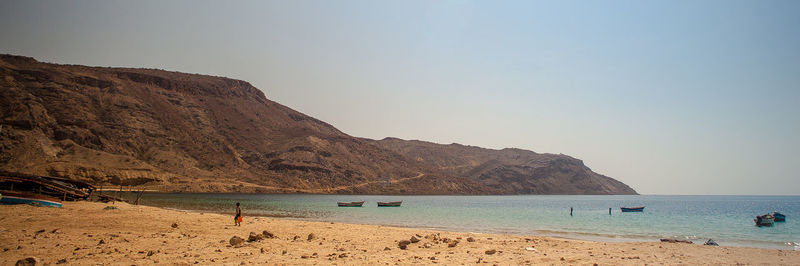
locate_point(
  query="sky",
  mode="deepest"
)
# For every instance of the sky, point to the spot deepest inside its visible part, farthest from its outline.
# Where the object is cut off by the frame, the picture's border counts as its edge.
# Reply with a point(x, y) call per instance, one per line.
point(669, 97)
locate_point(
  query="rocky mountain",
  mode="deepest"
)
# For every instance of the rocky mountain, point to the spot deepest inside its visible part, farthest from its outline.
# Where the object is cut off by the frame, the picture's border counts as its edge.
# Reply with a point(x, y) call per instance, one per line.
point(185, 132)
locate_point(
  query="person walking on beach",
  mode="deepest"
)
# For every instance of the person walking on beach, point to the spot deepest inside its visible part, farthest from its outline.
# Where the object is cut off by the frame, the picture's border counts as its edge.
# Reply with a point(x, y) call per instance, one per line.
point(238, 219)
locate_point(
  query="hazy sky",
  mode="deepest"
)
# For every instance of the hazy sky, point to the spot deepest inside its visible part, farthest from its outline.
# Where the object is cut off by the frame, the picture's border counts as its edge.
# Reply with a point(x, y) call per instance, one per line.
point(670, 97)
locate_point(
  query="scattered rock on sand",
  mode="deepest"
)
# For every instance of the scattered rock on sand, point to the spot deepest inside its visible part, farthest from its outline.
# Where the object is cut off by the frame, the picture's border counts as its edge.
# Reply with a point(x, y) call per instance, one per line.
point(29, 261)
point(490, 252)
point(150, 253)
point(267, 234)
point(311, 236)
point(452, 244)
point(253, 237)
point(174, 225)
point(236, 241)
point(414, 239)
point(403, 244)
point(387, 248)
point(61, 261)
point(470, 239)
point(671, 240)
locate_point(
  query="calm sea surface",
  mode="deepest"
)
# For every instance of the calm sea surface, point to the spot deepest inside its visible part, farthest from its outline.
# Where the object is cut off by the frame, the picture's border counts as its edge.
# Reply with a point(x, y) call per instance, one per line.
point(726, 219)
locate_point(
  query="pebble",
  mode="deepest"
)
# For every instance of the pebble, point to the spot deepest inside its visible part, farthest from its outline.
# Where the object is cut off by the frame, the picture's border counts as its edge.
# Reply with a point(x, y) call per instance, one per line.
point(403, 244)
point(452, 244)
point(29, 261)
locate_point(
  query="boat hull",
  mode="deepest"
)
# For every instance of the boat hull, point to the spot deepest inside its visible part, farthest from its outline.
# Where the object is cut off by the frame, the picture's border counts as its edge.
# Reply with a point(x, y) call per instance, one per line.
point(350, 204)
point(632, 209)
point(764, 220)
point(390, 204)
point(779, 217)
point(14, 197)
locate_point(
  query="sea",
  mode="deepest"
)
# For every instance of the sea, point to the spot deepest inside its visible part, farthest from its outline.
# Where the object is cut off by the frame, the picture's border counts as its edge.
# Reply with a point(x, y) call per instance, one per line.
point(728, 220)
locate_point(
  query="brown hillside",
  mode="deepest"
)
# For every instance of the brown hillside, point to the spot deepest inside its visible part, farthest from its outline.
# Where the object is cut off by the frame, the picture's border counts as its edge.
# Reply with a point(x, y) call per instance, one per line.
point(185, 132)
point(513, 171)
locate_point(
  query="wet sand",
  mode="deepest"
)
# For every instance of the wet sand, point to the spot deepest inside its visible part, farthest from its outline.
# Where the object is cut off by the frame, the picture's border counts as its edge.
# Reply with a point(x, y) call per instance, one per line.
point(84, 233)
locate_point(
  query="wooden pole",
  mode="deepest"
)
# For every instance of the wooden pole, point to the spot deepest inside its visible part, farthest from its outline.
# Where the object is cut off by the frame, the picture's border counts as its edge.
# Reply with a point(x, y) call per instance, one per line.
point(138, 197)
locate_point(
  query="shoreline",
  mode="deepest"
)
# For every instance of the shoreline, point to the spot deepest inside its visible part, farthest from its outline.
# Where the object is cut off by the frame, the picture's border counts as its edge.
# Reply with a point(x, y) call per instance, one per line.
point(566, 235)
point(85, 233)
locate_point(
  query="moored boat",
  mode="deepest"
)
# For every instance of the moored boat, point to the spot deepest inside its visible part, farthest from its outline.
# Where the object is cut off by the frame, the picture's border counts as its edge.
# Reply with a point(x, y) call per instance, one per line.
point(350, 204)
point(390, 204)
point(19, 197)
point(632, 209)
point(779, 217)
point(764, 220)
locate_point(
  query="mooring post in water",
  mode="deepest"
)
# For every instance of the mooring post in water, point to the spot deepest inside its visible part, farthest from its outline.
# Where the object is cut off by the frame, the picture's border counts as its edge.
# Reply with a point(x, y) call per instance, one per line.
point(570, 211)
point(609, 211)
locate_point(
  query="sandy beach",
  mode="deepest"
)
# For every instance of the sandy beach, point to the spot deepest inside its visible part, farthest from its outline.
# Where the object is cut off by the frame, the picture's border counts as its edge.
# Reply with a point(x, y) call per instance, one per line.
point(87, 233)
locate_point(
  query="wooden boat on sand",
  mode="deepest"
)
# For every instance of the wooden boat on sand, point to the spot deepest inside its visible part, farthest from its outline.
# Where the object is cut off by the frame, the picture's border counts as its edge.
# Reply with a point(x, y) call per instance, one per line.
point(54, 187)
point(764, 220)
point(632, 209)
point(19, 188)
point(20, 197)
point(390, 204)
point(350, 204)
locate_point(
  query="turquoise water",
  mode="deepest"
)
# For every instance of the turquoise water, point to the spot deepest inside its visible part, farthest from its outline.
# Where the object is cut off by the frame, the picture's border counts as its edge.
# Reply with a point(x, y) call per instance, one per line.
point(726, 219)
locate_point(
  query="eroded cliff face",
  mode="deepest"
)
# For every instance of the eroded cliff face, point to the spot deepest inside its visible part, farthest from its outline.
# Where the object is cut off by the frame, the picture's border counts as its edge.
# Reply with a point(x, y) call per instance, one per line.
point(184, 132)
